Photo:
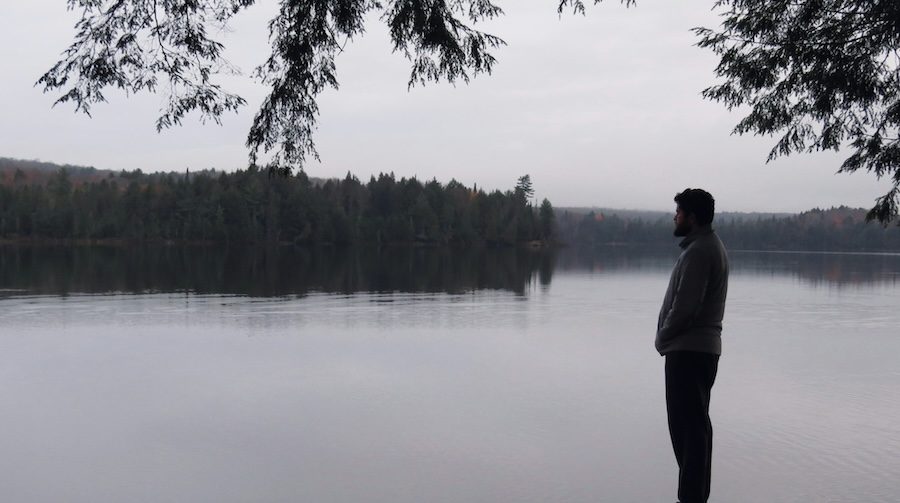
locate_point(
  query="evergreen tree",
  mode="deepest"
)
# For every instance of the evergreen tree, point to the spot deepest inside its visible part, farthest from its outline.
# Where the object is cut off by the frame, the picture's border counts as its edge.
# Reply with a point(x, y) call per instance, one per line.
point(548, 220)
point(524, 191)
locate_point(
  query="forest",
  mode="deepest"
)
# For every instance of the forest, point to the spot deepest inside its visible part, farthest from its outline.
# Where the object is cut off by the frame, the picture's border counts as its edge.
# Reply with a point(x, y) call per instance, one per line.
point(261, 206)
point(834, 229)
point(42, 201)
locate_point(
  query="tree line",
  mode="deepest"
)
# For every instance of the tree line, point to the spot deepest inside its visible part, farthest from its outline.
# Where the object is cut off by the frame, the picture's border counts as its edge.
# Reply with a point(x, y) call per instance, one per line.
point(258, 205)
point(835, 229)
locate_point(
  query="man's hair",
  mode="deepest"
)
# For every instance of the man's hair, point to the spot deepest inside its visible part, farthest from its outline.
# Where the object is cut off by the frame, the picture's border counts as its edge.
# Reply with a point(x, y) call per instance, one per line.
point(699, 202)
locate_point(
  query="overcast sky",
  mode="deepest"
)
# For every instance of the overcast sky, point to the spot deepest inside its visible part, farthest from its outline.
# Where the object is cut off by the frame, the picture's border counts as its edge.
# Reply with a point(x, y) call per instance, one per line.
point(600, 110)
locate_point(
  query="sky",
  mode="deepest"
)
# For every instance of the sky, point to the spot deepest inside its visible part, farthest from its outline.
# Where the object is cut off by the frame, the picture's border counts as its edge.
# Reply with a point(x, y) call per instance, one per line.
point(600, 110)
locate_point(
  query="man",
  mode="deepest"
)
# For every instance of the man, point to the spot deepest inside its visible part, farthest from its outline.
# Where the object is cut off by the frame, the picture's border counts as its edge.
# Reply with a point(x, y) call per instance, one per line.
point(689, 335)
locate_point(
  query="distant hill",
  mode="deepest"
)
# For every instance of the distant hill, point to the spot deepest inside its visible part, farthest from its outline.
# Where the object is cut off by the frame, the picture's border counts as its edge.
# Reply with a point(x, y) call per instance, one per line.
point(39, 172)
point(8, 164)
point(841, 228)
point(652, 216)
point(36, 172)
point(835, 218)
point(835, 229)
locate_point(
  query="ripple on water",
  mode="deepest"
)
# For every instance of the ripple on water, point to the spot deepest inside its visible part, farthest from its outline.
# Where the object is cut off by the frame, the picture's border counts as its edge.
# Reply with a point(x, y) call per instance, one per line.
point(482, 309)
point(836, 433)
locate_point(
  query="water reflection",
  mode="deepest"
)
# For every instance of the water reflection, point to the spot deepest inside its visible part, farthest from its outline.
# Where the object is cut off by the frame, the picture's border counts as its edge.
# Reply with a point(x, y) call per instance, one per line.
point(266, 272)
point(424, 396)
point(841, 269)
point(618, 258)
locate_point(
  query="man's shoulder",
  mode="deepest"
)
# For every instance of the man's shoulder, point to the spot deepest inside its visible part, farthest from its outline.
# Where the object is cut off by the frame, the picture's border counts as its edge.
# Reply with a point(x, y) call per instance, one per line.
point(708, 241)
point(707, 248)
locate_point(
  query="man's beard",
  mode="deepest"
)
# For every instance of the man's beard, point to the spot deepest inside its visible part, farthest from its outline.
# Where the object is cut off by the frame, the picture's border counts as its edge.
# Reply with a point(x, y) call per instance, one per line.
point(682, 230)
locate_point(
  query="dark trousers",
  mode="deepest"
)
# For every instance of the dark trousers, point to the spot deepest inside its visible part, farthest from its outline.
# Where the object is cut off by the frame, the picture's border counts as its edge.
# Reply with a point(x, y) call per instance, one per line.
point(689, 380)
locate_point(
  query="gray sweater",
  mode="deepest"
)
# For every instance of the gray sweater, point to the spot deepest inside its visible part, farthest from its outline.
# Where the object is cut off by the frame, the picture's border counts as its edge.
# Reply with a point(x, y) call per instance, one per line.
point(691, 314)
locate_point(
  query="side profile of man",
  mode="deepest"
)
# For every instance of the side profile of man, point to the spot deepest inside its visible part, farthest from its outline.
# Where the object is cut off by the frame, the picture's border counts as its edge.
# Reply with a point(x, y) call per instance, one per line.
point(689, 336)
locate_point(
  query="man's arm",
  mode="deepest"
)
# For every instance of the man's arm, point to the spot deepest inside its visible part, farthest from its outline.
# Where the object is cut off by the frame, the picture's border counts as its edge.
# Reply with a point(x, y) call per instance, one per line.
point(689, 294)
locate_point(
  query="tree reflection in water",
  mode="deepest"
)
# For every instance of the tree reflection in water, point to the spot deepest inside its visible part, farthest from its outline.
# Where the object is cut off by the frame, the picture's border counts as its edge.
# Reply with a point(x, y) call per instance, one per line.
point(841, 269)
point(265, 272)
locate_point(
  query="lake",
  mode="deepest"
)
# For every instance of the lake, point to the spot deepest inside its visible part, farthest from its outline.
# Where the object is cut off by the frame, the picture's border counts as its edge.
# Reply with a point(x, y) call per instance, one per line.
point(422, 375)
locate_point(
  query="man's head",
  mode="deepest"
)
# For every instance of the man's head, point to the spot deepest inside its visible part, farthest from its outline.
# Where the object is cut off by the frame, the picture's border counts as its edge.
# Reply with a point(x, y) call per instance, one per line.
point(695, 208)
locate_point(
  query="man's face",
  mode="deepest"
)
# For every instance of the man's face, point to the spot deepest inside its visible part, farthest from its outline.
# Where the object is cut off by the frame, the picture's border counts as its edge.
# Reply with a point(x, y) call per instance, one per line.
point(684, 223)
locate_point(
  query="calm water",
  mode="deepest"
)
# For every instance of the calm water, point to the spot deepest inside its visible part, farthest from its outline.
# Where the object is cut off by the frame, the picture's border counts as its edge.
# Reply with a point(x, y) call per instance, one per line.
point(192, 375)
